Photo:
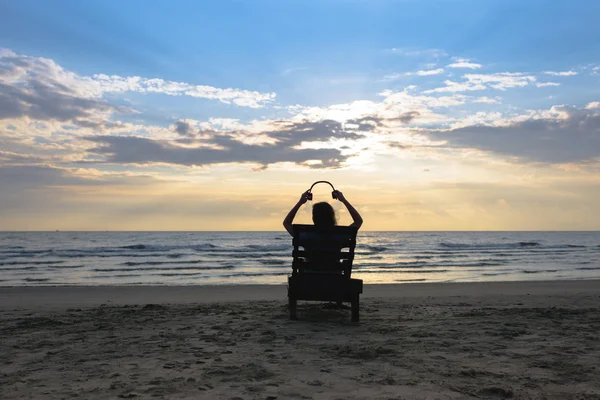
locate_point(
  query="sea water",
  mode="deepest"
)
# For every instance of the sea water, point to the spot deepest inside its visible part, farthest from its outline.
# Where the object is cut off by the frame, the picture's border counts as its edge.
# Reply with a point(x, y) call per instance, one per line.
point(200, 258)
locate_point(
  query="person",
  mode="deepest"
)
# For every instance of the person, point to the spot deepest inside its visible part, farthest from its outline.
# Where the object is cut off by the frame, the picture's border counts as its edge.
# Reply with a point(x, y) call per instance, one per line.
point(323, 213)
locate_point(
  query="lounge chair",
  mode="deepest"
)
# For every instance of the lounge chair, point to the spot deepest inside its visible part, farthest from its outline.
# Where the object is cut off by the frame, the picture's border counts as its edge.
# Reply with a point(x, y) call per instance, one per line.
point(321, 268)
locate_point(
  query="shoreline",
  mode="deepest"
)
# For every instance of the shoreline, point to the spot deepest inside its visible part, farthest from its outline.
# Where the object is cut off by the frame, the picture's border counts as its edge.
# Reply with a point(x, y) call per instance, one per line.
point(89, 296)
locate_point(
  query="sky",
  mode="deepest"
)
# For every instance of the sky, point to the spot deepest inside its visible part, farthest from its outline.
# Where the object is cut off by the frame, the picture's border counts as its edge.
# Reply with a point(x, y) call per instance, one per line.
point(217, 115)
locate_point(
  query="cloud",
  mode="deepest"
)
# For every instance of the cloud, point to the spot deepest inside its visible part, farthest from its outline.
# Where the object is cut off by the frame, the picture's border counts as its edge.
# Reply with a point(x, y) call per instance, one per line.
point(486, 100)
point(432, 53)
point(430, 72)
point(559, 73)
point(40, 89)
point(545, 84)
point(184, 128)
point(474, 82)
point(464, 63)
point(24, 72)
point(45, 101)
point(393, 77)
point(371, 122)
point(398, 107)
point(239, 97)
point(224, 147)
point(293, 70)
point(561, 135)
point(396, 76)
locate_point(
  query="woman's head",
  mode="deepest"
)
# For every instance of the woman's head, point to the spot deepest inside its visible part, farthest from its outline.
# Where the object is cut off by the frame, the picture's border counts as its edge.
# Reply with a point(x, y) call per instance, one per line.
point(323, 214)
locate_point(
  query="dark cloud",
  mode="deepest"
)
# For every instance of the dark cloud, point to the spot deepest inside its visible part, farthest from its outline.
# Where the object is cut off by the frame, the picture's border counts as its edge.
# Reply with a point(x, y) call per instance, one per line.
point(573, 139)
point(406, 117)
point(369, 123)
point(35, 88)
point(11, 158)
point(142, 150)
point(184, 128)
point(44, 102)
point(397, 145)
point(296, 133)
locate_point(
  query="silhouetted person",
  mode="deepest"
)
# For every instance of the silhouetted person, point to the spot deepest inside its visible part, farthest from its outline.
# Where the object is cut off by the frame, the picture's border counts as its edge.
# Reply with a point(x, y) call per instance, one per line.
point(322, 213)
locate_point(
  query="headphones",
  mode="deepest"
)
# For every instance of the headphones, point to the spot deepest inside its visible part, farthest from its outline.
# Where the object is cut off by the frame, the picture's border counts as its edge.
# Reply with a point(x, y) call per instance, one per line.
point(310, 195)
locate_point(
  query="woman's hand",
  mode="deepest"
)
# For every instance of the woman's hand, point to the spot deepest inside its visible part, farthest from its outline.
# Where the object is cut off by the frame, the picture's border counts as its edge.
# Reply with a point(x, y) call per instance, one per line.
point(303, 198)
point(339, 195)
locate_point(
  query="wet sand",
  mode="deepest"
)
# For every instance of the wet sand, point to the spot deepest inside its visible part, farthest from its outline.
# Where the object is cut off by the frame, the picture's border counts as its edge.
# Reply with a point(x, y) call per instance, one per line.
point(522, 340)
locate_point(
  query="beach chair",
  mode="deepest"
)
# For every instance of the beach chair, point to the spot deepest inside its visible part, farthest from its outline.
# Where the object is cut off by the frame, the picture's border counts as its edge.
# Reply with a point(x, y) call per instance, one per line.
point(322, 266)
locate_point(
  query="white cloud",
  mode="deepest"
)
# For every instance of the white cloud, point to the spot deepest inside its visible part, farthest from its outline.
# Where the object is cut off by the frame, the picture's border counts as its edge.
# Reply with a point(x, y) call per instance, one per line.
point(544, 84)
point(479, 118)
point(464, 63)
point(474, 82)
point(396, 109)
point(435, 53)
point(16, 69)
point(289, 71)
point(560, 73)
point(593, 105)
point(397, 76)
point(430, 72)
point(245, 98)
point(487, 100)
point(393, 77)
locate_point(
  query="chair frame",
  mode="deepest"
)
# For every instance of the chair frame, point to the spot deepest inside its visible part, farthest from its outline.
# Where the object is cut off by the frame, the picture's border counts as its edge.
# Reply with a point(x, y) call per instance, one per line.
point(320, 280)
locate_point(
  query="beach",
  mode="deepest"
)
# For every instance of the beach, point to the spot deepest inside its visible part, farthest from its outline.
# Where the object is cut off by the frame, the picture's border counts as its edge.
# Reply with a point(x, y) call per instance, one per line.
point(493, 340)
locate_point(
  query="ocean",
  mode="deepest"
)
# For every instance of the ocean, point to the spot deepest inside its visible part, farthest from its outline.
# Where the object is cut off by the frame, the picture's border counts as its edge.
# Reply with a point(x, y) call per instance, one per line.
point(212, 258)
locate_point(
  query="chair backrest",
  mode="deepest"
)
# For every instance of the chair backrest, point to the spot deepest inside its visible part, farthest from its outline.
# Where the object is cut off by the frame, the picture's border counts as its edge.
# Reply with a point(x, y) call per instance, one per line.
point(329, 250)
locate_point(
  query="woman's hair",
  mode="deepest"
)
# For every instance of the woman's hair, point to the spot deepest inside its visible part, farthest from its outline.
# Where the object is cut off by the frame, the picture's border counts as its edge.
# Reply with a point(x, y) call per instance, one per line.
point(323, 214)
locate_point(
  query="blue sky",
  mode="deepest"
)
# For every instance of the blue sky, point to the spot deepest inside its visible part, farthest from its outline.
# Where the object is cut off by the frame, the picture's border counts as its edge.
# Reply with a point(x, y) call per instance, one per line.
point(250, 44)
point(251, 85)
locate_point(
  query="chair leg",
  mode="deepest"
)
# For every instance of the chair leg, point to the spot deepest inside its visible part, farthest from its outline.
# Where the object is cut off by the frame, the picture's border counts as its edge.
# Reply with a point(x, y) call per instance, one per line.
point(293, 302)
point(355, 308)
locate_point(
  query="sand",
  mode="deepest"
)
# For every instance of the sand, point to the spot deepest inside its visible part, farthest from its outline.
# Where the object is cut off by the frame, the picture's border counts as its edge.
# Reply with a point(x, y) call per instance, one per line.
point(520, 340)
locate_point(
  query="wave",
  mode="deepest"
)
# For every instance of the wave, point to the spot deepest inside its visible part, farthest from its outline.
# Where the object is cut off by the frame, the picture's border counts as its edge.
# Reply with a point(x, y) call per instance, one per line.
point(30, 262)
point(19, 269)
point(538, 271)
point(97, 255)
point(163, 269)
point(494, 273)
point(255, 274)
point(411, 280)
point(488, 262)
point(133, 263)
point(489, 245)
point(134, 247)
point(163, 247)
point(275, 262)
point(371, 247)
point(395, 271)
point(245, 254)
point(264, 247)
